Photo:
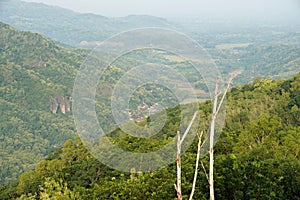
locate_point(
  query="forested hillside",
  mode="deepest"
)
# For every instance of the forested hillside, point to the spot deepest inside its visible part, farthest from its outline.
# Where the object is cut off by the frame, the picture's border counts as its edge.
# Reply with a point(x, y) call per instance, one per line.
point(34, 73)
point(257, 156)
point(36, 85)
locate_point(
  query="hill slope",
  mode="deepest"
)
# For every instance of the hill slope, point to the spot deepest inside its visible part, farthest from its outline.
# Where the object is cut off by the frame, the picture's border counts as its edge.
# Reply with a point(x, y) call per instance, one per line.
point(67, 26)
point(35, 72)
point(36, 85)
point(257, 156)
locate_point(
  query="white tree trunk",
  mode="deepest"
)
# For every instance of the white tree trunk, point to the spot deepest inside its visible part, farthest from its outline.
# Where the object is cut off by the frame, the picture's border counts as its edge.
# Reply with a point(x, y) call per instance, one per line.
point(178, 187)
point(215, 111)
point(211, 143)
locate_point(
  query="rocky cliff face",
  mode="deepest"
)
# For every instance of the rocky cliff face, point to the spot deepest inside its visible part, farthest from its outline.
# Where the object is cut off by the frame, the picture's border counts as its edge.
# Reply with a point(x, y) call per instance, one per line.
point(53, 105)
point(60, 103)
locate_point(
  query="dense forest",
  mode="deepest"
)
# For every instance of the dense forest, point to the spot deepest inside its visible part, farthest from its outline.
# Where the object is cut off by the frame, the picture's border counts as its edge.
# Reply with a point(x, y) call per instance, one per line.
point(34, 70)
point(257, 156)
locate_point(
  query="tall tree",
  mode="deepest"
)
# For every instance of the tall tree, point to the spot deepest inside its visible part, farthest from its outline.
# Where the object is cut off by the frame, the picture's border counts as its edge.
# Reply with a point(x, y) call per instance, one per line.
point(215, 111)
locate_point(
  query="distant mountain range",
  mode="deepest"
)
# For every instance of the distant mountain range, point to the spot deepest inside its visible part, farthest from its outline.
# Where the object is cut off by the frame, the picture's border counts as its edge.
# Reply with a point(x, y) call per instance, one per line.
point(254, 48)
point(67, 26)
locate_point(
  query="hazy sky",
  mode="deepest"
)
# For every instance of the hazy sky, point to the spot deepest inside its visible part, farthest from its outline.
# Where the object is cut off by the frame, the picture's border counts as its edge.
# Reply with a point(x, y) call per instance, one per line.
point(173, 8)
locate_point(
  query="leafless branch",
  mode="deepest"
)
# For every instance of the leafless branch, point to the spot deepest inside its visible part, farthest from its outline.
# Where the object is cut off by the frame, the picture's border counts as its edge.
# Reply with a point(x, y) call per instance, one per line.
point(197, 165)
point(189, 127)
point(205, 171)
point(233, 75)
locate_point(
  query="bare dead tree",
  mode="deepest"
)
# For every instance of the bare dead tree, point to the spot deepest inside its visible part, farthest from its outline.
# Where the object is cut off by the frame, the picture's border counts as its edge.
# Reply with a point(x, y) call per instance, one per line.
point(216, 109)
point(210, 178)
point(211, 142)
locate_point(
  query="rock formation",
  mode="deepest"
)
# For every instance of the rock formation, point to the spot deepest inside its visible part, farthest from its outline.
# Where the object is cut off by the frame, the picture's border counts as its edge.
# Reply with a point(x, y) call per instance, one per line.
point(60, 103)
point(53, 105)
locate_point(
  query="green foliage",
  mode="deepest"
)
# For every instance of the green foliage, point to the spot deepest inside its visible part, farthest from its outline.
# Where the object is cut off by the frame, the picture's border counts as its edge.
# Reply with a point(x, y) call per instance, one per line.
point(257, 157)
point(33, 69)
point(53, 190)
